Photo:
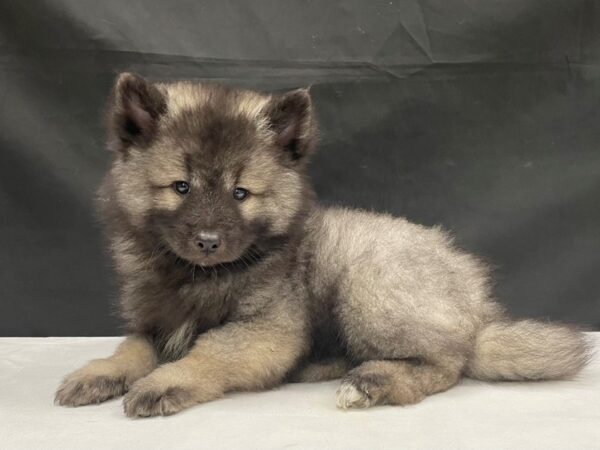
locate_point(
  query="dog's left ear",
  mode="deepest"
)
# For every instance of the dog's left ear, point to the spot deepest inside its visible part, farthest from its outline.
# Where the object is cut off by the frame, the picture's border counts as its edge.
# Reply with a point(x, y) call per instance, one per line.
point(291, 118)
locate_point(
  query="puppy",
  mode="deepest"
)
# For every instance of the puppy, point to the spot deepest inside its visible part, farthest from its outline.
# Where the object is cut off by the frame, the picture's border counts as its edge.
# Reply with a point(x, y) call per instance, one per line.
point(233, 278)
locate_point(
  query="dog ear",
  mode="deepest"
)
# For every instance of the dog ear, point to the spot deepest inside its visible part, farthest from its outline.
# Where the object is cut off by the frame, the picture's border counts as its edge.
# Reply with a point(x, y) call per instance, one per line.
point(135, 110)
point(291, 118)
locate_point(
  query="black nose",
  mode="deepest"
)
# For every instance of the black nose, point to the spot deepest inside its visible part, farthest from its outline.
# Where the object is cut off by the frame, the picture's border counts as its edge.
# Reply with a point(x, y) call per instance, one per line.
point(208, 241)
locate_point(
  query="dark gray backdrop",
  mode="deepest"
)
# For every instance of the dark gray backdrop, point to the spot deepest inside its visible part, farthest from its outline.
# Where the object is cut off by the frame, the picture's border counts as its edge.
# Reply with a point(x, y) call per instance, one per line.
point(482, 116)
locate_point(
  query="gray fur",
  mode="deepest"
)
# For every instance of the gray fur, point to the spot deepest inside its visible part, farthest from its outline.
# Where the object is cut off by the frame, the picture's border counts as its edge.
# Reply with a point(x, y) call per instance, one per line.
point(295, 291)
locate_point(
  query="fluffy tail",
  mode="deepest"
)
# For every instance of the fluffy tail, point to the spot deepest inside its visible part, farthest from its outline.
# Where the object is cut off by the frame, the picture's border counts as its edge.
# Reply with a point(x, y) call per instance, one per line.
point(528, 350)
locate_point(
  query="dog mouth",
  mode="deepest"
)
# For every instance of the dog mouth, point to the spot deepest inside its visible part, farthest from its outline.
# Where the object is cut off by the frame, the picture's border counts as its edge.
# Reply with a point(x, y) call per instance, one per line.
point(191, 255)
point(208, 261)
point(219, 266)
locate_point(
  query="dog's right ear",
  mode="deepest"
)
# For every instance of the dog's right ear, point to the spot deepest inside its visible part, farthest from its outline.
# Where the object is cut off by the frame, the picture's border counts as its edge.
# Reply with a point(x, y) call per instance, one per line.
point(135, 110)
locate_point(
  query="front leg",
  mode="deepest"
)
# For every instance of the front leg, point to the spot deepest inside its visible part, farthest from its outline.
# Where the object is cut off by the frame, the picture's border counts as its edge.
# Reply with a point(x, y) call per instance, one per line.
point(248, 355)
point(102, 379)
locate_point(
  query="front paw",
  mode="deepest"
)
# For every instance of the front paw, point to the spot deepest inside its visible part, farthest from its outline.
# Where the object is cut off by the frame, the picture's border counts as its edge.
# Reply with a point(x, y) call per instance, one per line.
point(90, 384)
point(149, 397)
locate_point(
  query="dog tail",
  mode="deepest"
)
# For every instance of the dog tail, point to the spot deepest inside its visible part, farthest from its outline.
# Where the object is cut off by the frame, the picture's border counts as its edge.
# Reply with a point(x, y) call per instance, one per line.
point(528, 350)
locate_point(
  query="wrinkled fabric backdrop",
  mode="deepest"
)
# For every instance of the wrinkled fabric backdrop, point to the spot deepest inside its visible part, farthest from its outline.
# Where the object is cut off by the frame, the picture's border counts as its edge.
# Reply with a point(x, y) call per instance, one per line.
point(481, 116)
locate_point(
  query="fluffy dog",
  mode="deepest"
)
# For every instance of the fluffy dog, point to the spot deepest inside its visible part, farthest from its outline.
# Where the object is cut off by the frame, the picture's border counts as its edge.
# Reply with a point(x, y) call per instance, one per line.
point(233, 278)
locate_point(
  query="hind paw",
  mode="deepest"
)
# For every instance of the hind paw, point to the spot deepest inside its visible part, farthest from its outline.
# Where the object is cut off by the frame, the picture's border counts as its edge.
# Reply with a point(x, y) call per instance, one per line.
point(360, 390)
point(350, 396)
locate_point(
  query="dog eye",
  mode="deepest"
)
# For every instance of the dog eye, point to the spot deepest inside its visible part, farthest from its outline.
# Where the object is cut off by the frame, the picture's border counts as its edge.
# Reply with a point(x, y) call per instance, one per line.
point(181, 187)
point(240, 193)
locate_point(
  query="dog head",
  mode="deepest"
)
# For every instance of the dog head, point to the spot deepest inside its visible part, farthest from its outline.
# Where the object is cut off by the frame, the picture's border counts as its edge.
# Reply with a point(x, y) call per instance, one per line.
point(209, 170)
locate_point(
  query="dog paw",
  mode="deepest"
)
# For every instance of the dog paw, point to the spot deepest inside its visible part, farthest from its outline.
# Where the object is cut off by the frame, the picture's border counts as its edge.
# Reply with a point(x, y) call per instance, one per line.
point(349, 396)
point(359, 391)
point(147, 399)
point(84, 389)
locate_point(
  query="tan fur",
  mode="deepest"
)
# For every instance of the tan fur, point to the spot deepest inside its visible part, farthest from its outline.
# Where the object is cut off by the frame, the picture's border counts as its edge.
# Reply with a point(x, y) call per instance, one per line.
point(435, 302)
point(183, 96)
point(131, 174)
point(252, 105)
point(321, 371)
point(394, 383)
point(528, 350)
point(284, 183)
point(260, 174)
point(102, 379)
point(127, 258)
point(231, 358)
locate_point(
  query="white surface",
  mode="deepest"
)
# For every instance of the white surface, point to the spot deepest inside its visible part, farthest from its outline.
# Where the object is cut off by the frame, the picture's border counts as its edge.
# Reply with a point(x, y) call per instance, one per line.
point(547, 415)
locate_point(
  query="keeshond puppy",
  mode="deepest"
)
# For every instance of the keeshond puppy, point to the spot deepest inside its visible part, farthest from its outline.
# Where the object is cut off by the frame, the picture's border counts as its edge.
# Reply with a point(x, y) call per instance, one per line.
point(233, 278)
